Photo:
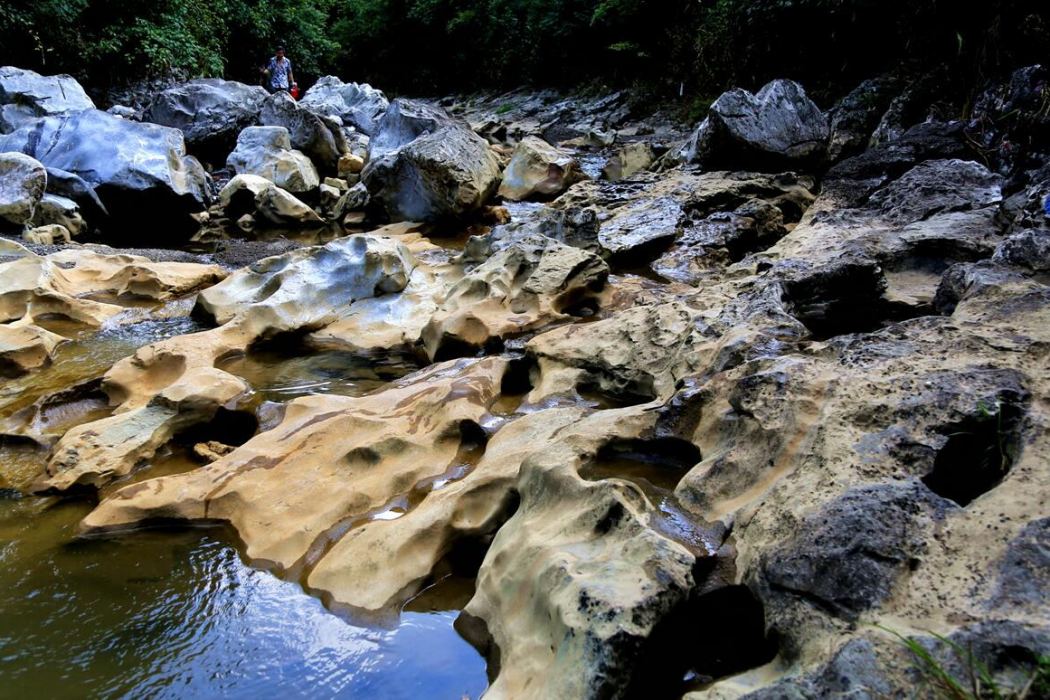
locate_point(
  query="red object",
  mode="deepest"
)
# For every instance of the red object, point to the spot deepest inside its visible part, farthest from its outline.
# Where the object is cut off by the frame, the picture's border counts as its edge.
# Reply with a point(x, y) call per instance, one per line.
point(294, 91)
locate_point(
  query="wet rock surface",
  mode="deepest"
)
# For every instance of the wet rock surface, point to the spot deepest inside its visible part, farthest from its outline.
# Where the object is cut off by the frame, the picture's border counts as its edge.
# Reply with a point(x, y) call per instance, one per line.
point(683, 431)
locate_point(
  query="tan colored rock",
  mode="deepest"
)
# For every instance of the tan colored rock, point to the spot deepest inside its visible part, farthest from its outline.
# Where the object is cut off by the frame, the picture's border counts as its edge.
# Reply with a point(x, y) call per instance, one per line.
point(629, 160)
point(526, 286)
point(33, 286)
point(538, 169)
point(24, 348)
point(350, 164)
point(332, 463)
point(47, 235)
point(96, 453)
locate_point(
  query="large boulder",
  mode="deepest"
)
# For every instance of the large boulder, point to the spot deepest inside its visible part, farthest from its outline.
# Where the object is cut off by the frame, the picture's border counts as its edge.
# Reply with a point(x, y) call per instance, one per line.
point(55, 210)
point(777, 128)
point(425, 166)
point(22, 183)
point(321, 138)
point(268, 203)
point(358, 105)
point(538, 169)
point(140, 172)
point(267, 151)
point(210, 112)
point(25, 96)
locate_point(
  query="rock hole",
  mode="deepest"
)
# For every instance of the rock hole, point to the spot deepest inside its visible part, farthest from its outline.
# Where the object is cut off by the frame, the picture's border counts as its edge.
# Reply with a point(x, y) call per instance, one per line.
point(847, 299)
point(656, 465)
point(678, 657)
point(229, 427)
point(978, 453)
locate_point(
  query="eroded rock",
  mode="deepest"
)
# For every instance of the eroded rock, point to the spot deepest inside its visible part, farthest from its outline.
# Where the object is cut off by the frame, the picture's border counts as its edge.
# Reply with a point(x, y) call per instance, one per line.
point(425, 166)
point(266, 151)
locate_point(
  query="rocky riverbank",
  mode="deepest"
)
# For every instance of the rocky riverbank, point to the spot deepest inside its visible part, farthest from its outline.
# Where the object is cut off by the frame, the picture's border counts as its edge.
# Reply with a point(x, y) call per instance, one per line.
point(713, 410)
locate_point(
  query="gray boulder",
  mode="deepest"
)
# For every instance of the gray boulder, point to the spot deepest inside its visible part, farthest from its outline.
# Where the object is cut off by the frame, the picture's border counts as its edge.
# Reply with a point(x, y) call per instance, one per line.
point(321, 138)
point(25, 96)
point(209, 112)
point(775, 129)
point(266, 202)
point(140, 172)
point(267, 151)
point(357, 105)
point(425, 166)
point(67, 185)
point(55, 210)
point(22, 183)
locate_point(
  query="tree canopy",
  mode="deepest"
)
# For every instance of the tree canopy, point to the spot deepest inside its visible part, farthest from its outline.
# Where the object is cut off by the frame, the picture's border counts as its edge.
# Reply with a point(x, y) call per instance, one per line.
point(425, 46)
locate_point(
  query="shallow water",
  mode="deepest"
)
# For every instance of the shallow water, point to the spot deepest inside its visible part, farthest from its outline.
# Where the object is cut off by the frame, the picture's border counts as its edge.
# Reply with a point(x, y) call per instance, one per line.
point(177, 614)
point(283, 377)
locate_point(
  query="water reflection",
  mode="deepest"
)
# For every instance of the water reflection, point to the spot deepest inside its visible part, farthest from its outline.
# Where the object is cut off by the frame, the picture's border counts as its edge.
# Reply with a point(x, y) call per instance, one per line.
point(177, 614)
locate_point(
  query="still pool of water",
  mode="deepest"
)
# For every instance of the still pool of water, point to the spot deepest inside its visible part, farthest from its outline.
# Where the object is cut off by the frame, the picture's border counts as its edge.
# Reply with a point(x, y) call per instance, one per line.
point(177, 614)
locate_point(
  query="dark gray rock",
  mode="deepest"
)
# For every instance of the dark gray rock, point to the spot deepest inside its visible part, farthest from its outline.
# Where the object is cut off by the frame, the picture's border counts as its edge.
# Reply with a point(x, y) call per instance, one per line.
point(358, 105)
point(140, 172)
point(425, 166)
point(1024, 573)
point(856, 116)
point(70, 186)
point(1029, 249)
point(853, 180)
point(779, 127)
point(25, 96)
point(209, 112)
point(846, 558)
point(642, 229)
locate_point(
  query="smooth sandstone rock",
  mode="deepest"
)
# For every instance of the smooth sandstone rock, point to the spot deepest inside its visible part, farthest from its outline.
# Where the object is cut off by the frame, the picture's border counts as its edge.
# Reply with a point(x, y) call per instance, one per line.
point(24, 348)
point(266, 151)
point(538, 169)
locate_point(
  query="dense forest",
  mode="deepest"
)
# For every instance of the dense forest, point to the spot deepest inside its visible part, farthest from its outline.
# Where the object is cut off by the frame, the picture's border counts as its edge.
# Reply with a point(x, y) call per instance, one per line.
point(670, 47)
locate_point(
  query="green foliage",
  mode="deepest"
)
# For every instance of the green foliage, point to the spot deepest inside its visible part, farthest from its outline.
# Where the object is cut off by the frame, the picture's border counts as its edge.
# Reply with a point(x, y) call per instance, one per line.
point(977, 681)
point(695, 47)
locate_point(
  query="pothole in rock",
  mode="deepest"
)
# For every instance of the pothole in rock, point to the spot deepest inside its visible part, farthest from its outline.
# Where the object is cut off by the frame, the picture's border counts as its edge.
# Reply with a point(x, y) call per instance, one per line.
point(280, 372)
point(677, 659)
point(978, 453)
point(656, 466)
point(849, 299)
point(473, 442)
point(518, 382)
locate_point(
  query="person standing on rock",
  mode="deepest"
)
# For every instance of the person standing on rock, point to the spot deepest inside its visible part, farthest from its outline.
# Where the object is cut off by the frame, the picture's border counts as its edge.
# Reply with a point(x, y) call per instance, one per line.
point(278, 73)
